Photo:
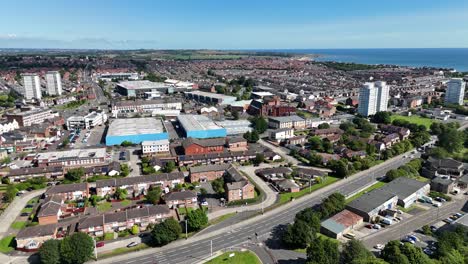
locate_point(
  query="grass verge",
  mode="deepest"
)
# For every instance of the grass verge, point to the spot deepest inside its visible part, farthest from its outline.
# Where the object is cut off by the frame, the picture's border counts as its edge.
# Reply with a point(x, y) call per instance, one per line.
point(7, 244)
point(221, 218)
point(427, 122)
point(19, 225)
point(368, 189)
point(286, 197)
point(120, 251)
point(238, 258)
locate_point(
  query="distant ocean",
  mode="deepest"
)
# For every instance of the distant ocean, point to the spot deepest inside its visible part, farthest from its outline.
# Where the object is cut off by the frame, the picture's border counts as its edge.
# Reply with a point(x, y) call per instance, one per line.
point(440, 58)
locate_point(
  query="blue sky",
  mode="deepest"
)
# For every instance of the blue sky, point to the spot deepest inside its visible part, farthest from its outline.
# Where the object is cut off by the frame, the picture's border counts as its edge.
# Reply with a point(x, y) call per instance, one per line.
point(239, 24)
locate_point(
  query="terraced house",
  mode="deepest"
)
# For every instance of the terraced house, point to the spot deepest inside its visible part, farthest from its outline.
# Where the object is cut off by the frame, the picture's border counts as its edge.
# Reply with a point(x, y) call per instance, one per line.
point(136, 186)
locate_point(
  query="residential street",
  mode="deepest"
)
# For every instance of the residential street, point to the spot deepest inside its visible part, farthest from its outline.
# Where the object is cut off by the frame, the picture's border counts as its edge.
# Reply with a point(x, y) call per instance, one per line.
point(197, 248)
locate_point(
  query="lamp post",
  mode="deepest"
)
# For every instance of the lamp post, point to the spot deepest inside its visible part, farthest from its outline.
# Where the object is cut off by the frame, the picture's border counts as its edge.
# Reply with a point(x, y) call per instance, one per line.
point(186, 232)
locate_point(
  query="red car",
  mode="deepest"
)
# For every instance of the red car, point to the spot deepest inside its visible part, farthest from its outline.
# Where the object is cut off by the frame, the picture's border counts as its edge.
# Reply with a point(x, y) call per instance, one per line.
point(369, 226)
point(100, 244)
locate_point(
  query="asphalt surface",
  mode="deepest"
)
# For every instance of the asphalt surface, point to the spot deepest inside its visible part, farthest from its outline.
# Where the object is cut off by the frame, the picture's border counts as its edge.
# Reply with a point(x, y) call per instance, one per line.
point(199, 248)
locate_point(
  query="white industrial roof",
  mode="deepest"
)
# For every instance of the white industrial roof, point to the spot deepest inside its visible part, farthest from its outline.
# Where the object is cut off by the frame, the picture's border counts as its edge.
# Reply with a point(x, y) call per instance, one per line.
point(197, 122)
point(73, 154)
point(144, 84)
point(154, 142)
point(212, 95)
point(135, 126)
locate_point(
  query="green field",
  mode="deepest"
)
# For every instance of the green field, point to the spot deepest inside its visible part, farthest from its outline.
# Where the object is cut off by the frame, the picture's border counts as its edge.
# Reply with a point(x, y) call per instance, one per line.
point(415, 119)
point(286, 197)
point(370, 188)
point(7, 244)
point(238, 258)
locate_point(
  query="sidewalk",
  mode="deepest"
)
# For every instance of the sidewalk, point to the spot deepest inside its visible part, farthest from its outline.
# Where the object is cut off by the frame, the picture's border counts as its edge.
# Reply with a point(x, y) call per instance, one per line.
point(9, 216)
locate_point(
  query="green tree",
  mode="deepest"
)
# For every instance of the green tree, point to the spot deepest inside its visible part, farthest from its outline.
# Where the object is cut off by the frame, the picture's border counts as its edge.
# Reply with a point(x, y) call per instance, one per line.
point(120, 194)
point(311, 217)
point(451, 140)
point(354, 250)
point(74, 175)
point(154, 195)
point(315, 143)
point(126, 143)
point(298, 235)
point(382, 117)
point(94, 199)
point(10, 193)
point(135, 230)
point(259, 158)
point(76, 249)
point(124, 170)
point(169, 167)
point(324, 126)
point(452, 257)
point(218, 185)
point(414, 254)
point(196, 219)
point(260, 124)
point(166, 232)
point(49, 252)
point(340, 167)
point(235, 115)
point(323, 251)
point(392, 253)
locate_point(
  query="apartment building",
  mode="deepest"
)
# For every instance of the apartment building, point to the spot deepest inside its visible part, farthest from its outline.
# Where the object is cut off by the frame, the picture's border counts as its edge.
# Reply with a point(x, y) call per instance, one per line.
point(72, 158)
point(455, 91)
point(53, 83)
point(208, 172)
point(88, 121)
point(293, 121)
point(32, 86)
point(69, 192)
point(373, 98)
point(181, 199)
point(31, 117)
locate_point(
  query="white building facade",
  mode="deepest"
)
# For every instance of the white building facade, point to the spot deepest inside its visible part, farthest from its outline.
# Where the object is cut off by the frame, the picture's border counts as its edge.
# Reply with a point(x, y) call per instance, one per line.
point(373, 98)
point(54, 83)
point(455, 91)
point(156, 146)
point(32, 86)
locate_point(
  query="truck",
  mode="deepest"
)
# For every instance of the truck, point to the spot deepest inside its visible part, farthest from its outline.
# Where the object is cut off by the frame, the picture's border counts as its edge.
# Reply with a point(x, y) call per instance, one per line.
point(386, 221)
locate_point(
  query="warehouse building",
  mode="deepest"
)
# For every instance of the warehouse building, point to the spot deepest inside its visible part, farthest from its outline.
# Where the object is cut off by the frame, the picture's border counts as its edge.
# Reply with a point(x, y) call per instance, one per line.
point(341, 224)
point(235, 127)
point(140, 88)
point(205, 97)
point(198, 126)
point(370, 204)
point(408, 190)
point(135, 130)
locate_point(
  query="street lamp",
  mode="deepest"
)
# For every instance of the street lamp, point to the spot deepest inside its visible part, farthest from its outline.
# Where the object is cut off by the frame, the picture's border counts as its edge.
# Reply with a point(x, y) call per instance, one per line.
point(186, 233)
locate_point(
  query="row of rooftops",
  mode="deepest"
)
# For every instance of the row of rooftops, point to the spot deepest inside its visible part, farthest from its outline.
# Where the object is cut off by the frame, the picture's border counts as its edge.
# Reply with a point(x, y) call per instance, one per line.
point(98, 220)
point(139, 179)
point(72, 154)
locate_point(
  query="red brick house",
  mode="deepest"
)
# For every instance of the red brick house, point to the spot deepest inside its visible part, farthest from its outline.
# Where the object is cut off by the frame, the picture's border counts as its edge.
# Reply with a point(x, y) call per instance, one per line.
point(183, 198)
point(67, 192)
point(208, 172)
point(236, 144)
point(194, 146)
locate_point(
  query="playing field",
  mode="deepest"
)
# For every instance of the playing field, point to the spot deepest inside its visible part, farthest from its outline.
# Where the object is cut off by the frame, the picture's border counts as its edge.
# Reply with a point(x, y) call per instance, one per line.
point(415, 119)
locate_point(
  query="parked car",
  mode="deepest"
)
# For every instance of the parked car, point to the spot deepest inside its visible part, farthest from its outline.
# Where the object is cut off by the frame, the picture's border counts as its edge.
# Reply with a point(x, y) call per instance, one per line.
point(433, 228)
point(369, 226)
point(133, 244)
point(436, 204)
point(24, 214)
point(459, 215)
point(377, 226)
point(448, 220)
point(413, 237)
point(204, 203)
point(428, 251)
point(407, 240)
point(379, 246)
point(100, 244)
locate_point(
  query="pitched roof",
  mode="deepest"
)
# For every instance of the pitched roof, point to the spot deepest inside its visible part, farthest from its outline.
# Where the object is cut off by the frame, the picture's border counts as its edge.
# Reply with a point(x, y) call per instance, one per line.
point(371, 200)
point(65, 188)
point(183, 195)
point(140, 179)
point(342, 220)
point(207, 168)
point(37, 231)
point(209, 142)
point(403, 187)
point(234, 175)
point(236, 185)
point(50, 206)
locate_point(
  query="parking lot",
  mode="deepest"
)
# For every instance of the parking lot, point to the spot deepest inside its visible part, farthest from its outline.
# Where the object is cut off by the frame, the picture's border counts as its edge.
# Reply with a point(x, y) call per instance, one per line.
point(88, 138)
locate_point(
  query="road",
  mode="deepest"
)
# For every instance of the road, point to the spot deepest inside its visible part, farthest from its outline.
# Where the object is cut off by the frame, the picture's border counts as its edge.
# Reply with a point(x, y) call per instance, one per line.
point(399, 230)
point(199, 247)
point(281, 151)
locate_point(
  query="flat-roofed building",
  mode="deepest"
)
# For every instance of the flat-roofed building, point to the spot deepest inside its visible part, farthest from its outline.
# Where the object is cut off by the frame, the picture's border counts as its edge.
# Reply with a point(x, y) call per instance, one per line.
point(156, 106)
point(292, 121)
point(155, 146)
point(139, 88)
point(408, 190)
point(88, 121)
point(135, 130)
point(72, 158)
point(31, 117)
point(198, 126)
point(206, 97)
point(370, 204)
point(235, 127)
